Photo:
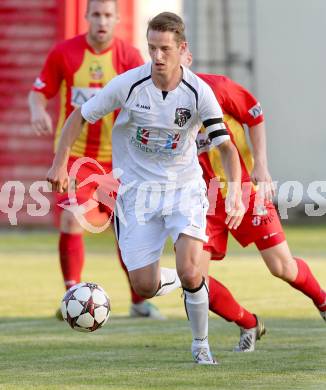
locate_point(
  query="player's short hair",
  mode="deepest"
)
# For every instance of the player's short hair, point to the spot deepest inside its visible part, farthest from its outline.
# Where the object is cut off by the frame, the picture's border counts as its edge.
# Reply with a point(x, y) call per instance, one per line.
point(103, 1)
point(168, 21)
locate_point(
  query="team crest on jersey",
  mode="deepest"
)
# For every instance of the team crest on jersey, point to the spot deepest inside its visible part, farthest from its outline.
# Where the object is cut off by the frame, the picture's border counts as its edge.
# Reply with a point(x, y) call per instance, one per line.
point(96, 71)
point(181, 116)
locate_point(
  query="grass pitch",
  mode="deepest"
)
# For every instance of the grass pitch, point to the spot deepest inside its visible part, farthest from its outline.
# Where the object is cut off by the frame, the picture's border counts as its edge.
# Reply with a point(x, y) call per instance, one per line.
point(38, 352)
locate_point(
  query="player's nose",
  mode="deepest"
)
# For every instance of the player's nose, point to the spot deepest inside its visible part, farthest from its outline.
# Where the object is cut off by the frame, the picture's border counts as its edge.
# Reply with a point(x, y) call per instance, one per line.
point(102, 21)
point(158, 55)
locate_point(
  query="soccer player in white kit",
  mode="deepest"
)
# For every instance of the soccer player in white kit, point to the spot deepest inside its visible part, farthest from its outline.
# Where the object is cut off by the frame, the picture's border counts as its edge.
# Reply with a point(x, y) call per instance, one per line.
point(162, 107)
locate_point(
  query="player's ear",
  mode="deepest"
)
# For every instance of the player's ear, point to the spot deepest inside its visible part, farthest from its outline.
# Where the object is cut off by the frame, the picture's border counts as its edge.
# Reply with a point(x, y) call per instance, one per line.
point(87, 15)
point(87, 12)
point(183, 47)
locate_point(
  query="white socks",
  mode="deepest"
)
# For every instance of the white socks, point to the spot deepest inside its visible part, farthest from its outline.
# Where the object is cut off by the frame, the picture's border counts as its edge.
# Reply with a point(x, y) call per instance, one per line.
point(169, 281)
point(196, 304)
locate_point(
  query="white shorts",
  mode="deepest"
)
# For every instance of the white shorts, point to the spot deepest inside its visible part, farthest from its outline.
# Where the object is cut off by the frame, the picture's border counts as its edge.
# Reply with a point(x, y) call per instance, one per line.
point(144, 220)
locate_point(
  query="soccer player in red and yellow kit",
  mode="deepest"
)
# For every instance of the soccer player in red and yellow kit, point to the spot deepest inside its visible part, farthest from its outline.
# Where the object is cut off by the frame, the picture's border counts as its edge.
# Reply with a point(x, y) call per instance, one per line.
point(78, 68)
point(261, 224)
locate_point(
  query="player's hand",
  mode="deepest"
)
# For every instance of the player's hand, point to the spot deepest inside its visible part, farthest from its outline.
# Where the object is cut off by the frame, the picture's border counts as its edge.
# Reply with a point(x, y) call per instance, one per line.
point(234, 207)
point(58, 177)
point(262, 177)
point(41, 122)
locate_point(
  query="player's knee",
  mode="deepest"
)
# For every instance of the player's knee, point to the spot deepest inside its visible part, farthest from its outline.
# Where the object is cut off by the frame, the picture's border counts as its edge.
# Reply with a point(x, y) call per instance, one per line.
point(190, 278)
point(145, 290)
point(283, 270)
point(276, 271)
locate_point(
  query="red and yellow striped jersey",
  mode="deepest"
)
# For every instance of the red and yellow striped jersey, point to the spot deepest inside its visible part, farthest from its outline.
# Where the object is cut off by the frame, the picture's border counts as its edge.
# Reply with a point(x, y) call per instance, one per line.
point(239, 107)
point(74, 69)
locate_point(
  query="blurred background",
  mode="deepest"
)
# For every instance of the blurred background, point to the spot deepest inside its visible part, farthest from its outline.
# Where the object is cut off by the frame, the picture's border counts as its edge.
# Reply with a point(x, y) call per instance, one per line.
point(274, 48)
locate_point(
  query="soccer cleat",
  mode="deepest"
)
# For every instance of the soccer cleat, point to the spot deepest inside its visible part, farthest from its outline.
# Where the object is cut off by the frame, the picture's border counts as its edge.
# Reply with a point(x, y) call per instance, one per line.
point(323, 315)
point(248, 337)
point(202, 354)
point(58, 315)
point(147, 310)
point(322, 310)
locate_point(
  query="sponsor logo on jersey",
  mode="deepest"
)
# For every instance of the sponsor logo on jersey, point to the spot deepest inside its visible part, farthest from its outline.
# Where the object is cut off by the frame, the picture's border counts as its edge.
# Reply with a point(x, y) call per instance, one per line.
point(172, 141)
point(142, 135)
point(203, 143)
point(95, 71)
point(138, 144)
point(181, 116)
point(144, 106)
point(80, 95)
point(148, 141)
point(38, 83)
point(256, 111)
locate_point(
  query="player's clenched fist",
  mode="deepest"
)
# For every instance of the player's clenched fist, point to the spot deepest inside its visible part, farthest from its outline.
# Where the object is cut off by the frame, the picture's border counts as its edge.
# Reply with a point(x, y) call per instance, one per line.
point(58, 177)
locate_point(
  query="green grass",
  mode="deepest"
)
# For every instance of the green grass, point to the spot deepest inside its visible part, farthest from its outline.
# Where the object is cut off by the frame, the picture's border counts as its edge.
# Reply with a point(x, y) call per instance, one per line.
point(38, 352)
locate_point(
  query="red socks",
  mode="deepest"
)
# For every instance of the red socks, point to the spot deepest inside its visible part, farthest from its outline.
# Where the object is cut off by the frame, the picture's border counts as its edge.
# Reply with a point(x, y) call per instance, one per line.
point(223, 304)
point(307, 284)
point(71, 250)
point(135, 298)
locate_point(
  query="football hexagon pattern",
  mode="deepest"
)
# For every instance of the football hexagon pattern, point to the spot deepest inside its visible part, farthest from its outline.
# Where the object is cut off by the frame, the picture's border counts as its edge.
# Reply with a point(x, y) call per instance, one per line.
point(85, 307)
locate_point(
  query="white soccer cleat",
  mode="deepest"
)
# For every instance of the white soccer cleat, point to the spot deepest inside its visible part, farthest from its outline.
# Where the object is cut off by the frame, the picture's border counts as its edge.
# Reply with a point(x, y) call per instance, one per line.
point(202, 354)
point(248, 337)
point(145, 309)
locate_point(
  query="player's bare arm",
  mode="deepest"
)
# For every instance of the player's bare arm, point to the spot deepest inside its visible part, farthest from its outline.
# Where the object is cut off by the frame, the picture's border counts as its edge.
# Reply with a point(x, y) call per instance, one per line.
point(40, 119)
point(233, 203)
point(260, 173)
point(58, 175)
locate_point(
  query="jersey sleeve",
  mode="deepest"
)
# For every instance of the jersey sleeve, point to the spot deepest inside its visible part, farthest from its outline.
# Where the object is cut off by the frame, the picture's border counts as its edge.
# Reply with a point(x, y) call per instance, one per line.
point(211, 115)
point(239, 102)
point(125, 56)
point(51, 75)
point(107, 100)
point(134, 58)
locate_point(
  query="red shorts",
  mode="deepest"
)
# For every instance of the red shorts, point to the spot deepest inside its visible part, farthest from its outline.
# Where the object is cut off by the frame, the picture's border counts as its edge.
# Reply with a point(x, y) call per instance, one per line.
point(264, 230)
point(101, 187)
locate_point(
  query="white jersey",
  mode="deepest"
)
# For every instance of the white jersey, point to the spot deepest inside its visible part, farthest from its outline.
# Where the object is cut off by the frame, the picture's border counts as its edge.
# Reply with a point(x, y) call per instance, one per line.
point(154, 136)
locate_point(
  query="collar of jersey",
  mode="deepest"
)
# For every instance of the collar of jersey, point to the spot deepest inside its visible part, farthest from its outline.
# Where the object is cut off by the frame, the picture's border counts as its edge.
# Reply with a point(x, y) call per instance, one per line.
point(89, 47)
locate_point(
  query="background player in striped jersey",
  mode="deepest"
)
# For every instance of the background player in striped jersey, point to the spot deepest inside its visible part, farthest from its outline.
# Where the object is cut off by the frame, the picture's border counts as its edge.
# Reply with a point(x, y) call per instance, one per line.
point(162, 108)
point(78, 68)
point(261, 224)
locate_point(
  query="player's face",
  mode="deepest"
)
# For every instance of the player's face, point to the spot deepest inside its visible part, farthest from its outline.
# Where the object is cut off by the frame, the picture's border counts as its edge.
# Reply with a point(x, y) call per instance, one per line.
point(102, 17)
point(165, 52)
